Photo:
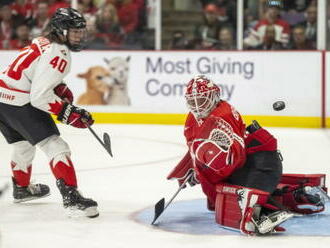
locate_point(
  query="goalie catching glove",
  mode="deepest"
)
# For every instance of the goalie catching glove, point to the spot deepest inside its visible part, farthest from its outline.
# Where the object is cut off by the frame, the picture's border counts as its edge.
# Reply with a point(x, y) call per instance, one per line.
point(302, 193)
point(74, 116)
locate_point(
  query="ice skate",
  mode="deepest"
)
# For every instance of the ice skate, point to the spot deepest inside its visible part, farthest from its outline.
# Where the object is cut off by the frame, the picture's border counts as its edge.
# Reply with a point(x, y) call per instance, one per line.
point(28, 193)
point(75, 202)
point(269, 223)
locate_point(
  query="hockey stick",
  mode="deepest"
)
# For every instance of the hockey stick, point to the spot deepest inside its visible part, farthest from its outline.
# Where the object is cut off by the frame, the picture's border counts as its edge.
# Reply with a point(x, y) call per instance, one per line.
point(160, 205)
point(106, 143)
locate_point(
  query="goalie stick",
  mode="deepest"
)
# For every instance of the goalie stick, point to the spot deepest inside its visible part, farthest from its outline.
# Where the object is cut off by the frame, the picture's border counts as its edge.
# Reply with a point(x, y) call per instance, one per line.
point(106, 143)
point(160, 205)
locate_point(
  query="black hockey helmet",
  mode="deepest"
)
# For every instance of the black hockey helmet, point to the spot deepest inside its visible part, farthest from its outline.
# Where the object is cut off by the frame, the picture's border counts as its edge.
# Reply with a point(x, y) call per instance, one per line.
point(65, 19)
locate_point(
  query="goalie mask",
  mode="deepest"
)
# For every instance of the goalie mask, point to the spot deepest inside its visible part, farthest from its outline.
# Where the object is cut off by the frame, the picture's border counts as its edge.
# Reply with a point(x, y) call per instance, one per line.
point(69, 24)
point(202, 95)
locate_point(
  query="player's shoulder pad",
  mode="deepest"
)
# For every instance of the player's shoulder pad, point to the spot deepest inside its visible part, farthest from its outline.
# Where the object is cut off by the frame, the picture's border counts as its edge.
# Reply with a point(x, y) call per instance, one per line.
point(61, 49)
point(225, 111)
point(45, 46)
point(43, 43)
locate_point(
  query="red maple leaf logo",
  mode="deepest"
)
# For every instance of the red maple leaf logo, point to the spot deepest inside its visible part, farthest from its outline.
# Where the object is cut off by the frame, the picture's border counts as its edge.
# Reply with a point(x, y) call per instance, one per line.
point(55, 107)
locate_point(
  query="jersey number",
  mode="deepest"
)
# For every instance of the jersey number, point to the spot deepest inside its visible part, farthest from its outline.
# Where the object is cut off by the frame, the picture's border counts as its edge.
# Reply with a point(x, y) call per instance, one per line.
point(59, 64)
point(23, 61)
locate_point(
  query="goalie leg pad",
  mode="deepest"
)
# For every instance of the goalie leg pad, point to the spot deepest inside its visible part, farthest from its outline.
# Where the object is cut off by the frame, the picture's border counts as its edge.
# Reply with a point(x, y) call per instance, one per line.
point(239, 208)
point(21, 162)
point(235, 204)
point(302, 193)
point(313, 179)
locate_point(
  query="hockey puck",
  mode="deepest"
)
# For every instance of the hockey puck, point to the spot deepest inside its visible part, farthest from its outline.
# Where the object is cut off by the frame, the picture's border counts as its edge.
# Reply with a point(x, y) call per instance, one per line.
point(278, 106)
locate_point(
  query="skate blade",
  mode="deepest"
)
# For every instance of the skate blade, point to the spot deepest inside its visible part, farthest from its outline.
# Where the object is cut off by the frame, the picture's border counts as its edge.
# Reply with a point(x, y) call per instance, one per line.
point(30, 198)
point(90, 212)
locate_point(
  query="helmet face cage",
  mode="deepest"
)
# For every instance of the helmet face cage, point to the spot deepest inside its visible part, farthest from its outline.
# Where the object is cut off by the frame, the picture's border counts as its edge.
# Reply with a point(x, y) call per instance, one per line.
point(202, 96)
point(65, 19)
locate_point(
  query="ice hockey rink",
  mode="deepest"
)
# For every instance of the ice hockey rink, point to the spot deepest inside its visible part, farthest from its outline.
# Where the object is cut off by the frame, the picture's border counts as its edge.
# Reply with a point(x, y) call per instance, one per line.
point(128, 185)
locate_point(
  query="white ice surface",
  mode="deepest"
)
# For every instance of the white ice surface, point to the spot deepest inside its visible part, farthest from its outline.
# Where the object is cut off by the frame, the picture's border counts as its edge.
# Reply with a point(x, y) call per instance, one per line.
point(134, 180)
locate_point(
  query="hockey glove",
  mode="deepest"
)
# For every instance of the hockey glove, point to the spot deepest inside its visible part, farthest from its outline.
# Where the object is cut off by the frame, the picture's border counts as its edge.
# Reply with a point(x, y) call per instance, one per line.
point(183, 170)
point(63, 92)
point(74, 116)
point(192, 181)
point(303, 199)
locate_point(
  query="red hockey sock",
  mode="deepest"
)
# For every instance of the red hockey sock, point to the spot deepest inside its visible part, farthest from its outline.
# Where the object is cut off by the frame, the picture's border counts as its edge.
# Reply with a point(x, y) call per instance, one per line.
point(62, 168)
point(21, 175)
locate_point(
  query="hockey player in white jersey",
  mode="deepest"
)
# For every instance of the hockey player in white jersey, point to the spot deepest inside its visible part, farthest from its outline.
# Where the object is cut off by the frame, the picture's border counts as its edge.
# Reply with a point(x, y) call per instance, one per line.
point(31, 89)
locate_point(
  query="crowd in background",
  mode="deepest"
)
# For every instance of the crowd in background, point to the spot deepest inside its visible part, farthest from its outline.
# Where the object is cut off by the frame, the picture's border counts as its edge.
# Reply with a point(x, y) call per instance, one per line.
point(268, 25)
point(122, 24)
point(111, 24)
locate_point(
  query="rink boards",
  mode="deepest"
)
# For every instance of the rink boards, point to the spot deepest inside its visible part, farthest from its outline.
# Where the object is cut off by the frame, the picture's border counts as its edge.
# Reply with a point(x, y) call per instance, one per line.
point(153, 83)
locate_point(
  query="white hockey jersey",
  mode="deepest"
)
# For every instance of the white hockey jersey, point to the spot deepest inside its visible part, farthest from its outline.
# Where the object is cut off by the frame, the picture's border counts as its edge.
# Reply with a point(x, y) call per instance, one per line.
point(34, 74)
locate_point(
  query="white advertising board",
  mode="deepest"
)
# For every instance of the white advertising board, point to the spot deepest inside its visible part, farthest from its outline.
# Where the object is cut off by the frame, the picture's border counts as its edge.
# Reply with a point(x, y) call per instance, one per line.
point(251, 81)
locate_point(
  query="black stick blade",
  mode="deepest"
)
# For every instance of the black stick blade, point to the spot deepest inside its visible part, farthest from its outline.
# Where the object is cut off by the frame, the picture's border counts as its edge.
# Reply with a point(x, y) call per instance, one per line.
point(107, 143)
point(159, 209)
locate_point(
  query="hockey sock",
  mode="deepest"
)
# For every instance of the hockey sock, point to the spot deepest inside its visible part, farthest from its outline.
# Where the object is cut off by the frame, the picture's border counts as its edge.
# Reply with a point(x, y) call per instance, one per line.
point(62, 168)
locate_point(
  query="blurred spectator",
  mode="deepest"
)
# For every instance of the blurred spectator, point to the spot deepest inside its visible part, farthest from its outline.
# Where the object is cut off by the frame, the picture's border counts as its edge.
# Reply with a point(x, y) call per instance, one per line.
point(40, 22)
point(142, 13)
point(179, 41)
point(87, 6)
point(249, 21)
point(226, 39)
point(293, 17)
point(227, 12)
point(206, 2)
point(94, 41)
point(205, 44)
point(53, 5)
point(269, 42)
point(294, 11)
point(272, 17)
point(253, 8)
point(22, 33)
point(128, 14)
point(299, 39)
point(311, 23)
point(148, 39)
point(23, 8)
point(211, 26)
point(298, 5)
point(5, 2)
point(8, 23)
point(108, 26)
